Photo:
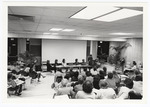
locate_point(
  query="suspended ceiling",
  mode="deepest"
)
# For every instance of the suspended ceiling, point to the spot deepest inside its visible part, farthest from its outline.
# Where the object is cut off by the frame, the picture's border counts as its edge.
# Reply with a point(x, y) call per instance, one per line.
point(33, 20)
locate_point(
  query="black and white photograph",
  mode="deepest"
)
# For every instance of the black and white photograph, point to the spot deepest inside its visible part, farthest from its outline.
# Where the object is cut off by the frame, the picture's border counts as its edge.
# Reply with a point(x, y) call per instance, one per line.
point(75, 51)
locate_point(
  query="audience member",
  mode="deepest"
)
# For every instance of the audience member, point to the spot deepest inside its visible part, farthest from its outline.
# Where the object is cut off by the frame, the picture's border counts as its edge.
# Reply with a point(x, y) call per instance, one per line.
point(116, 77)
point(74, 76)
point(13, 85)
point(102, 74)
point(105, 92)
point(77, 86)
point(57, 84)
point(134, 95)
point(138, 84)
point(96, 82)
point(111, 81)
point(58, 74)
point(87, 92)
point(124, 90)
point(64, 90)
point(134, 67)
point(94, 71)
point(89, 76)
point(105, 70)
point(35, 75)
point(48, 66)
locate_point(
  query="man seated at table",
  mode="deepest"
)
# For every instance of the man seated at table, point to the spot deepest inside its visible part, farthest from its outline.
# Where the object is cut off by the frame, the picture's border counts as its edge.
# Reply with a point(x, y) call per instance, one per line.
point(76, 62)
point(83, 62)
point(64, 62)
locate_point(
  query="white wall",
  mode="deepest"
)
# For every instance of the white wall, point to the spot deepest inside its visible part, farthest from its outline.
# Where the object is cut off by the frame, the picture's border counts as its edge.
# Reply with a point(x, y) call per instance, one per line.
point(59, 49)
point(135, 52)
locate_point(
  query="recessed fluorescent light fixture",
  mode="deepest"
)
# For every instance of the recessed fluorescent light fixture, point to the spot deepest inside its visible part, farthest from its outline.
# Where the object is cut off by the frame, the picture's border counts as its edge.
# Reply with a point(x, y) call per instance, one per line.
point(120, 14)
point(93, 35)
point(46, 33)
point(54, 33)
point(121, 33)
point(68, 30)
point(55, 29)
point(91, 12)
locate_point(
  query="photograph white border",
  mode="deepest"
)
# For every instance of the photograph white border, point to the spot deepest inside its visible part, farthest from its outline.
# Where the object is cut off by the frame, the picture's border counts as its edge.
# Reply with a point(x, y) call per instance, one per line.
point(4, 98)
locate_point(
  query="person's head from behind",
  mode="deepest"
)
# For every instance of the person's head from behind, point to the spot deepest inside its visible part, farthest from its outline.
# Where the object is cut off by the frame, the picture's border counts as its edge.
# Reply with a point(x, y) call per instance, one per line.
point(80, 79)
point(67, 76)
point(103, 84)
point(138, 78)
point(88, 73)
point(110, 75)
point(87, 86)
point(134, 63)
point(114, 73)
point(14, 72)
point(101, 72)
point(97, 78)
point(64, 82)
point(76, 74)
point(59, 79)
point(104, 69)
point(134, 95)
point(128, 83)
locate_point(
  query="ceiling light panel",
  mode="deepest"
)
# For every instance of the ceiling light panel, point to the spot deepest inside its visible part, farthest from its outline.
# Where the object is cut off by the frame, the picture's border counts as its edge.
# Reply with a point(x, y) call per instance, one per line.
point(54, 33)
point(68, 30)
point(91, 12)
point(55, 29)
point(93, 35)
point(48, 33)
point(120, 14)
point(121, 33)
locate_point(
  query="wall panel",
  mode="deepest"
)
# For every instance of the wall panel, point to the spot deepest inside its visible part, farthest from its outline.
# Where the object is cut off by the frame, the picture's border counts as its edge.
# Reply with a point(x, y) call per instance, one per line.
point(59, 49)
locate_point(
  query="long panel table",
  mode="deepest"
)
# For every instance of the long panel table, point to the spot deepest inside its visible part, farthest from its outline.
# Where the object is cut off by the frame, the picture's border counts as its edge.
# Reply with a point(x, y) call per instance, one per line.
point(73, 67)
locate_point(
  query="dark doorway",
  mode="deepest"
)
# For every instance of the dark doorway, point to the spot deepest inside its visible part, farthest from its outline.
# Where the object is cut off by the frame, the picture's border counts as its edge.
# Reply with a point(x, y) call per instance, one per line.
point(103, 50)
point(12, 49)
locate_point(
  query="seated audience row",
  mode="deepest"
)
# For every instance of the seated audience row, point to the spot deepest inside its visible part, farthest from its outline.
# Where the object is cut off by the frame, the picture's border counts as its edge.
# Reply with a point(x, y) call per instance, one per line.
point(17, 76)
point(99, 85)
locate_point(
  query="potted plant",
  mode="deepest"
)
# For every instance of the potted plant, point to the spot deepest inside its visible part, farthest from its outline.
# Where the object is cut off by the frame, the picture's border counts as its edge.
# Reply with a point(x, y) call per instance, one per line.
point(116, 58)
point(27, 58)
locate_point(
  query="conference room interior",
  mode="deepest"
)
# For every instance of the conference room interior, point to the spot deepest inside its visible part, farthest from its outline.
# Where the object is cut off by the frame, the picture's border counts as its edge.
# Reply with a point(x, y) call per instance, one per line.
point(38, 34)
